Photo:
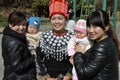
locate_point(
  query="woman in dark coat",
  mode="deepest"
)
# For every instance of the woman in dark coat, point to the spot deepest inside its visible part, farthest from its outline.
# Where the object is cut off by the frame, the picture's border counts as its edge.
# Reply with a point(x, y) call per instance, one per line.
point(101, 61)
point(19, 64)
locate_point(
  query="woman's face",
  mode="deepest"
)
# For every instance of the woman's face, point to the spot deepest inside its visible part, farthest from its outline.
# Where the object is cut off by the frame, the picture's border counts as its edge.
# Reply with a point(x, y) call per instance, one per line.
point(20, 28)
point(96, 33)
point(58, 22)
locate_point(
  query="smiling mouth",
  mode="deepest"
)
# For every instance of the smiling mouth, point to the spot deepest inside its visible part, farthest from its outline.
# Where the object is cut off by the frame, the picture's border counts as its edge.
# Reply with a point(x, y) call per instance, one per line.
point(57, 26)
point(92, 35)
point(21, 31)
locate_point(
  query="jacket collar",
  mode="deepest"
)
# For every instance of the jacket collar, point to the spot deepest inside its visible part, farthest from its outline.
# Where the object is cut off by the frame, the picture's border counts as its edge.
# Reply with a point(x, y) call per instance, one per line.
point(8, 31)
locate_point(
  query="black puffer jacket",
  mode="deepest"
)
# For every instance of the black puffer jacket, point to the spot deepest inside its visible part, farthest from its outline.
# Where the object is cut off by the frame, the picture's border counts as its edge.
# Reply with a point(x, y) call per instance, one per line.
point(19, 64)
point(98, 63)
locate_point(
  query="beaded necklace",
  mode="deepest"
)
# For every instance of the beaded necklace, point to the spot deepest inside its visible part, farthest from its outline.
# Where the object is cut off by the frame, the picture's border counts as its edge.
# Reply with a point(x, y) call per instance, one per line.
point(55, 46)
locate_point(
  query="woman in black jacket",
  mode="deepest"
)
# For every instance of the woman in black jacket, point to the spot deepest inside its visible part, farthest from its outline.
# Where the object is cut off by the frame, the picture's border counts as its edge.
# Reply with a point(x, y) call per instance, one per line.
point(19, 64)
point(101, 61)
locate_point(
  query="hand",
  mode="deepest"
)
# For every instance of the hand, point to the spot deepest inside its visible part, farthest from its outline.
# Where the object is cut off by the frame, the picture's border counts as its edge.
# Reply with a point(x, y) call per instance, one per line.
point(79, 48)
point(67, 78)
point(52, 79)
point(71, 60)
point(32, 50)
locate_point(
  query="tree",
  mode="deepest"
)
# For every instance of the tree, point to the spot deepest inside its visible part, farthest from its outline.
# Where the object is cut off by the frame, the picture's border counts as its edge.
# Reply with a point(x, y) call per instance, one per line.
point(42, 6)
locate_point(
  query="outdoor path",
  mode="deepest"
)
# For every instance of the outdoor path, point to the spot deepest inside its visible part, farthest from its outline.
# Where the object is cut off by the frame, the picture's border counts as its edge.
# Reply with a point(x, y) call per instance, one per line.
point(1, 60)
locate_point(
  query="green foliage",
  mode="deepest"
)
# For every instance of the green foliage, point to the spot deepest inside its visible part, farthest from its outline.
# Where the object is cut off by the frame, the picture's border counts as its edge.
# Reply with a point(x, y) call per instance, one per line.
point(3, 21)
point(79, 4)
point(39, 3)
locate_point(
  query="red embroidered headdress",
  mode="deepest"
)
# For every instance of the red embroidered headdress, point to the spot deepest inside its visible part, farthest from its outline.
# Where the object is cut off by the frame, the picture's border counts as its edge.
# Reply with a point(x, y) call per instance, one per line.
point(58, 7)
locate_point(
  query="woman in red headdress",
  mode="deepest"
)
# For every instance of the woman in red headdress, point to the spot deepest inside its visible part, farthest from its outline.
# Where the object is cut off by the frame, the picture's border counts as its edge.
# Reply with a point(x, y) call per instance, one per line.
point(53, 44)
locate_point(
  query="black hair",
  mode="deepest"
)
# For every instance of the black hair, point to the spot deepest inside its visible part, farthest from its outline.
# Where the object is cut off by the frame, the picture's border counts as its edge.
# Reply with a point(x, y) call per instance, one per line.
point(16, 17)
point(100, 18)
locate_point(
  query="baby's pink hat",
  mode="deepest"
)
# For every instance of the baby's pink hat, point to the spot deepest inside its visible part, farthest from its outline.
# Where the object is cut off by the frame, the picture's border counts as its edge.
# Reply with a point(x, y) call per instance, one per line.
point(81, 26)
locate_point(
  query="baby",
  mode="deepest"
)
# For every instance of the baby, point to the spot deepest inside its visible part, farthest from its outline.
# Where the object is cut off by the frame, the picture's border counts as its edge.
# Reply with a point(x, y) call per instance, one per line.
point(33, 36)
point(81, 38)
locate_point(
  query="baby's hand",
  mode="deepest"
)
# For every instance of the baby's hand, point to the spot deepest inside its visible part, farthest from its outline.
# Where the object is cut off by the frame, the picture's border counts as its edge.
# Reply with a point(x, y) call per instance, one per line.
point(71, 60)
point(79, 48)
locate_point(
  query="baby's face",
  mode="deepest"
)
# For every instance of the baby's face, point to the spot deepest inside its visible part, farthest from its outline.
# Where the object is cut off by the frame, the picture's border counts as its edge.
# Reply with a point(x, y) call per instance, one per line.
point(80, 35)
point(32, 30)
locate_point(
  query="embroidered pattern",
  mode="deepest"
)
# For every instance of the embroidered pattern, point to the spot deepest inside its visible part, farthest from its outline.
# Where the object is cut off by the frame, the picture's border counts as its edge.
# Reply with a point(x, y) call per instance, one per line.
point(55, 46)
